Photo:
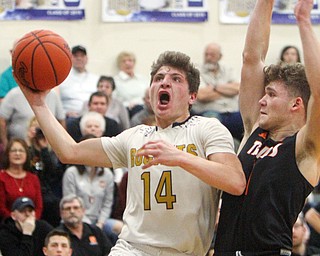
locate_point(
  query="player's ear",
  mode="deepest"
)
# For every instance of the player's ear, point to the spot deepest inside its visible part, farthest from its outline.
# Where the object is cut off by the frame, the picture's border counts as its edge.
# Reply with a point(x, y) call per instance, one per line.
point(193, 97)
point(297, 103)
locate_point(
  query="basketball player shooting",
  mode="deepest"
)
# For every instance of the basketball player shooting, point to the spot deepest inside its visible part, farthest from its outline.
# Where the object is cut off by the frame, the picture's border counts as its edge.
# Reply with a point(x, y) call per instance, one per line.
point(176, 168)
point(280, 152)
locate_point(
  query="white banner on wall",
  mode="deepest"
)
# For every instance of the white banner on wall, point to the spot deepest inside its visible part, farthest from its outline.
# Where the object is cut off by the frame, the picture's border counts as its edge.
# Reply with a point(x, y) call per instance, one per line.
point(238, 12)
point(154, 10)
point(42, 10)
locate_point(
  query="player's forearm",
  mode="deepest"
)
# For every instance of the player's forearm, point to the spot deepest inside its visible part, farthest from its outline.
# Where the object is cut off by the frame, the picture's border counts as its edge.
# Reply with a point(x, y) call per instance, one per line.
point(58, 138)
point(311, 52)
point(257, 38)
point(227, 177)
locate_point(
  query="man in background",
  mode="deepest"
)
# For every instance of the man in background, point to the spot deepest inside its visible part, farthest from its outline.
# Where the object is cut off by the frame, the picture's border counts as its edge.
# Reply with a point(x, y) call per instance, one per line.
point(98, 102)
point(85, 239)
point(79, 84)
point(300, 236)
point(22, 234)
point(218, 92)
point(7, 81)
point(57, 243)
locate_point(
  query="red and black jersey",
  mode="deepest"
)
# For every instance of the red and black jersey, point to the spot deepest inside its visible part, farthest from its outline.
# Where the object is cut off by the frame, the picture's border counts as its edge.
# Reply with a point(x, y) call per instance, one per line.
point(261, 219)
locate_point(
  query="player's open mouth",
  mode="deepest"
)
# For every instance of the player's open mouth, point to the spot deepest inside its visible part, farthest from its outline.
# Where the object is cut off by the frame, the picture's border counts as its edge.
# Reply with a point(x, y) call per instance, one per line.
point(164, 98)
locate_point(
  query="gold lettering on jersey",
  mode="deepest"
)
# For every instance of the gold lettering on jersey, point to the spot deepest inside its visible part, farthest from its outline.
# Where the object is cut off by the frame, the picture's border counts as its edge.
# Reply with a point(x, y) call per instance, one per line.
point(191, 148)
point(139, 160)
point(181, 147)
point(261, 152)
point(133, 152)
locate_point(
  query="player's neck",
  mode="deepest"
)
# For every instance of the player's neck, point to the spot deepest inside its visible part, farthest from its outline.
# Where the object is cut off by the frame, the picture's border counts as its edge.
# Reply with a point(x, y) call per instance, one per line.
point(281, 134)
point(288, 129)
point(16, 171)
point(164, 123)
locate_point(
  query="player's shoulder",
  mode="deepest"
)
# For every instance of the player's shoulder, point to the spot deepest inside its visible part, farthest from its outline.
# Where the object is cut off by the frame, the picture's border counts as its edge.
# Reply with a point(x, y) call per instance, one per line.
point(132, 132)
point(201, 120)
point(142, 129)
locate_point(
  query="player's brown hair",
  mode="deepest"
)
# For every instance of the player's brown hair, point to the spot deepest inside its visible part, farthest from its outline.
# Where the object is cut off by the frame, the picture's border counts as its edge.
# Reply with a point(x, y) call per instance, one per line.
point(293, 76)
point(179, 61)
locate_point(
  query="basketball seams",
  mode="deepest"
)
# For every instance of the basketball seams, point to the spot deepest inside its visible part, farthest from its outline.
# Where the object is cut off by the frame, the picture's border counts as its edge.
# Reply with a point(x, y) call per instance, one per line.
point(41, 60)
point(19, 54)
point(32, 63)
point(50, 60)
point(42, 43)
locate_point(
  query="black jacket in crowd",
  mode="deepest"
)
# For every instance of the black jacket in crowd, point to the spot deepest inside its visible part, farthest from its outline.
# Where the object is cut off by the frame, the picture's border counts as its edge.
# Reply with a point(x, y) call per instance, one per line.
point(14, 243)
point(93, 241)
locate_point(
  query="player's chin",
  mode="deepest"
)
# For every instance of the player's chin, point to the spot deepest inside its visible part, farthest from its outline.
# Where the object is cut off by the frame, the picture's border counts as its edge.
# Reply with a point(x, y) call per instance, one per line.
point(264, 125)
point(263, 121)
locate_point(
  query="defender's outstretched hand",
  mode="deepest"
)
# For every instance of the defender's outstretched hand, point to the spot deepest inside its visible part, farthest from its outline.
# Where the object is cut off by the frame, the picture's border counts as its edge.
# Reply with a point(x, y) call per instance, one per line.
point(303, 9)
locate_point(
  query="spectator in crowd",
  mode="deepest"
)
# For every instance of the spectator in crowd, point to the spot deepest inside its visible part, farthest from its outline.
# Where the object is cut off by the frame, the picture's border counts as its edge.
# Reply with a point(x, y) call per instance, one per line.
point(98, 102)
point(130, 85)
point(57, 243)
point(121, 198)
point(92, 123)
point(44, 164)
point(25, 4)
point(15, 114)
point(218, 92)
point(86, 239)
point(290, 54)
point(116, 110)
point(300, 236)
point(312, 216)
point(95, 186)
point(79, 84)
point(16, 179)
point(145, 115)
point(21, 234)
point(7, 81)
point(106, 85)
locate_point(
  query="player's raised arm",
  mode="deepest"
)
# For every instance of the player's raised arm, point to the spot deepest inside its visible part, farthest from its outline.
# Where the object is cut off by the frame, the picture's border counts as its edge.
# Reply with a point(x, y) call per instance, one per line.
point(309, 136)
point(88, 152)
point(254, 53)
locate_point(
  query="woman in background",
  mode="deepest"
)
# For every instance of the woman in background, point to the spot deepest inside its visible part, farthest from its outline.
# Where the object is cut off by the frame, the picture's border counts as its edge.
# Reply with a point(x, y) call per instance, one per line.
point(16, 179)
point(44, 163)
point(290, 55)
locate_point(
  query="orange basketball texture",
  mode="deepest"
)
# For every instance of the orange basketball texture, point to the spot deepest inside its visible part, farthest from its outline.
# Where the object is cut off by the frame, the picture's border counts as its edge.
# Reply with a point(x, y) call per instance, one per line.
point(41, 60)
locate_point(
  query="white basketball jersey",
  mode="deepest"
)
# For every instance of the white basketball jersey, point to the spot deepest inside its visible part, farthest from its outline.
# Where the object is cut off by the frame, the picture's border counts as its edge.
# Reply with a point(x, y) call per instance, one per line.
point(167, 206)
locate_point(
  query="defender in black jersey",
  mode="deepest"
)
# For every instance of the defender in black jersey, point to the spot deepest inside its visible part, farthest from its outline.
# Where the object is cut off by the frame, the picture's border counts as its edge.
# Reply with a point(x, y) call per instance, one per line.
point(280, 152)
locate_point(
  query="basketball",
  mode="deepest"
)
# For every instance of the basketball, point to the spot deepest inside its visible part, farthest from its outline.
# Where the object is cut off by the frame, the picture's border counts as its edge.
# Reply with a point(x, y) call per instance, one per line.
point(41, 60)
